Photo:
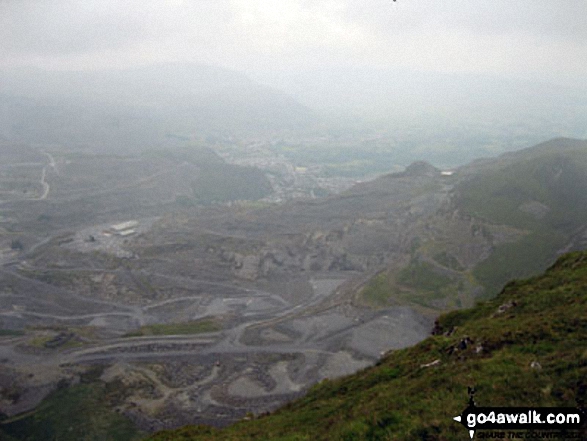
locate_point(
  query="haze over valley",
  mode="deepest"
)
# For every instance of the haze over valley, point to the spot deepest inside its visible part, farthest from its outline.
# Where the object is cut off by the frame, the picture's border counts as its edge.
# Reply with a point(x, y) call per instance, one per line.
point(199, 223)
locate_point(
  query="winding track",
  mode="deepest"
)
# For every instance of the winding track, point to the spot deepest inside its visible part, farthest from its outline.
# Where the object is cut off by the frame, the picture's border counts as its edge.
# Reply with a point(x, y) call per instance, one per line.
point(44, 183)
point(167, 347)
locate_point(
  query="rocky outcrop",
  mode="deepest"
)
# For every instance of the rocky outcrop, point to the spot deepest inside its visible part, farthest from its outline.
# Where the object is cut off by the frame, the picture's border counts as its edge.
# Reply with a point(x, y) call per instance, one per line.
point(421, 168)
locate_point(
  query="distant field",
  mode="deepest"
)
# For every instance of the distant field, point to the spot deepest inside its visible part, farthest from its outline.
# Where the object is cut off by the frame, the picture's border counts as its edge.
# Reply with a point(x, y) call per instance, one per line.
point(344, 161)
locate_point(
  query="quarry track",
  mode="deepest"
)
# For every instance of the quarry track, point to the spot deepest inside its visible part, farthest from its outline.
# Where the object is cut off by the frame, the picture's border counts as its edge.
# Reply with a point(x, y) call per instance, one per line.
point(164, 348)
point(76, 303)
point(44, 183)
point(140, 313)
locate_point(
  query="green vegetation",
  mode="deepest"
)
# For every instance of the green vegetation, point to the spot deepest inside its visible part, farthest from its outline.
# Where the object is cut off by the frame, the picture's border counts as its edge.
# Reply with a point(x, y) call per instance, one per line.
point(523, 258)
point(491, 347)
point(215, 181)
point(10, 333)
point(422, 276)
point(78, 413)
point(226, 182)
point(421, 283)
point(357, 168)
point(39, 341)
point(543, 194)
point(341, 160)
point(555, 180)
point(377, 291)
point(194, 154)
point(418, 284)
point(63, 340)
point(185, 328)
point(448, 260)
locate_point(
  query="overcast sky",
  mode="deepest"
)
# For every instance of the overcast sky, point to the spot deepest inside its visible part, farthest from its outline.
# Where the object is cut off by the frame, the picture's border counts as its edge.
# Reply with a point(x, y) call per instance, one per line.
point(544, 39)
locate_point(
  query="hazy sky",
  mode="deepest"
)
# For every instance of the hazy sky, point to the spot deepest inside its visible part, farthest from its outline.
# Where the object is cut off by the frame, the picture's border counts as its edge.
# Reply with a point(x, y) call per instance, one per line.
point(544, 39)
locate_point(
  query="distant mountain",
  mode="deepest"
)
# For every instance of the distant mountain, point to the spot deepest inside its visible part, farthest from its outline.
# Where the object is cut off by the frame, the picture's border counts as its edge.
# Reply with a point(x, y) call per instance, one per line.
point(447, 118)
point(140, 107)
point(404, 95)
point(526, 347)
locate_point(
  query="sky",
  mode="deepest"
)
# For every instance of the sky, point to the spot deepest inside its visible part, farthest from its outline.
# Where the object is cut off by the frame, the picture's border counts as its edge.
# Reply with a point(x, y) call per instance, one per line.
point(542, 39)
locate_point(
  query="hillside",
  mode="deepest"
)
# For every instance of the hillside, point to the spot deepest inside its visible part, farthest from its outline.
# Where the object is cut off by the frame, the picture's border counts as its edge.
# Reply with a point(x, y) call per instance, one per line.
point(525, 347)
point(284, 295)
point(142, 107)
point(538, 191)
point(504, 218)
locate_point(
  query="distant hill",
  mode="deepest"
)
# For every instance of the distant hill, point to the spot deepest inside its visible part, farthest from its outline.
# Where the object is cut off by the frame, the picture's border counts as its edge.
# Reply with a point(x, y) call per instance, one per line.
point(504, 218)
point(526, 347)
point(541, 191)
point(140, 107)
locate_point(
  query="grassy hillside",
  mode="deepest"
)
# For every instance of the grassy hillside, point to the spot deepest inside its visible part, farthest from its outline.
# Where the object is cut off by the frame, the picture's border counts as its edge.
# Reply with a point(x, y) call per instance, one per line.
point(78, 413)
point(227, 182)
point(507, 217)
point(125, 110)
point(542, 191)
point(491, 346)
point(216, 180)
point(555, 180)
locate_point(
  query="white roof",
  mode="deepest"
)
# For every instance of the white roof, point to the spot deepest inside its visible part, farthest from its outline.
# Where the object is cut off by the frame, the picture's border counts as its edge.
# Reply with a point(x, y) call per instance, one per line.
point(125, 225)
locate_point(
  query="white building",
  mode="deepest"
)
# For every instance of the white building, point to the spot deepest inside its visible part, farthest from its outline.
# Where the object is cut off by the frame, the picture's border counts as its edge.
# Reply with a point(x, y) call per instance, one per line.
point(118, 228)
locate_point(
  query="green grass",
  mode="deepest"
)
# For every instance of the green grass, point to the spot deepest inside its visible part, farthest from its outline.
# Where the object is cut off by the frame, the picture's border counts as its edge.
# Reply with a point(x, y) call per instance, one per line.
point(422, 276)
point(355, 168)
point(216, 180)
point(341, 160)
point(448, 260)
point(418, 284)
point(398, 399)
point(225, 182)
point(557, 180)
point(77, 413)
point(194, 154)
point(526, 257)
point(377, 291)
point(184, 328)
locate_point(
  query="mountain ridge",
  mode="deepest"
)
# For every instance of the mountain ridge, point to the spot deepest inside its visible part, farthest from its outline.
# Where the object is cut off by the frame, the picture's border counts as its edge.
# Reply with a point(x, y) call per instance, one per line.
point(141, 107)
